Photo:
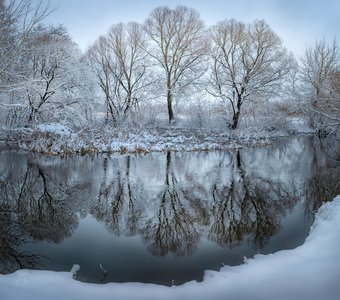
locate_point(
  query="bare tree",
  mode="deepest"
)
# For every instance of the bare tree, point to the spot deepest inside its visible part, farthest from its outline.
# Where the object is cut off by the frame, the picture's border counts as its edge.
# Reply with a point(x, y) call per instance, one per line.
point(120, 65)
point(98, 57)
point(53, 76)
point(248, 62)
point(320, 69)
point(17, 20)
point(53, 83)
point(178, 45)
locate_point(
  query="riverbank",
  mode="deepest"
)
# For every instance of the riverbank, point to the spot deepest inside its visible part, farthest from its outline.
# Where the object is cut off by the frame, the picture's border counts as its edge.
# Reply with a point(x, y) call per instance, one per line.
point(59, 139)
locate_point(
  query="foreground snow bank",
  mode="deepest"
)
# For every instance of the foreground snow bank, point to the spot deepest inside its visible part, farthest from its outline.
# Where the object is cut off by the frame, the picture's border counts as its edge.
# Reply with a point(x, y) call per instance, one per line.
point(309, 272)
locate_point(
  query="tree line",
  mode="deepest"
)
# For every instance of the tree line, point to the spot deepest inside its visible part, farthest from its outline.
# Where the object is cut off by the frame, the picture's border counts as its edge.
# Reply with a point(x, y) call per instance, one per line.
point(161, 65)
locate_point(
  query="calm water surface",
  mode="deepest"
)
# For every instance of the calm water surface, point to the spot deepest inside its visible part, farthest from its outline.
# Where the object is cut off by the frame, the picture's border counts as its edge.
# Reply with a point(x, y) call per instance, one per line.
point(161, 218)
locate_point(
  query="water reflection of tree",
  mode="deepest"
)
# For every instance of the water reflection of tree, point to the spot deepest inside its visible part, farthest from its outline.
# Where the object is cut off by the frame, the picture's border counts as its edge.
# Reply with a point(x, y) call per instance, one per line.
point(322, 187)
point(116, 204)
point(175, 227)
point(239, 205)
point(35, 205)
point(247, 206)
point(120, 205)
point(46, 207)
point(324, 182)
point(11, 237)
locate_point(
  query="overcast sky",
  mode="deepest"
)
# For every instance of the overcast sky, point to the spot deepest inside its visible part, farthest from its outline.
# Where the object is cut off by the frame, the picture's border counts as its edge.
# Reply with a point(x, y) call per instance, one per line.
point(297, 22)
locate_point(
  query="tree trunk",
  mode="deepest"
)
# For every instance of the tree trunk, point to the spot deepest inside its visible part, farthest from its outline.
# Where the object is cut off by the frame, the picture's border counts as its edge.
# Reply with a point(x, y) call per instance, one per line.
point(30, 118)
point(170, 111)
point(168, 163)
point(33, 112)
point(235, 120)
point(236, 115)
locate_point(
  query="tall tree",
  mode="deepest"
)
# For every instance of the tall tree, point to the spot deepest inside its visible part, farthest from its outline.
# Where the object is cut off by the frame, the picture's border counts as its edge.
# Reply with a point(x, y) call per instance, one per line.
point(320, 69)
point(120, 65)
point(248, 62)
point(177, 44)
point(17, 20)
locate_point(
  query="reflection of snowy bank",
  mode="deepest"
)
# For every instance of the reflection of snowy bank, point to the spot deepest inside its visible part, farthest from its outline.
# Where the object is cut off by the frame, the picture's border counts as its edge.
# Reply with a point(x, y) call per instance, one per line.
point(309, 272)
point(59, 139)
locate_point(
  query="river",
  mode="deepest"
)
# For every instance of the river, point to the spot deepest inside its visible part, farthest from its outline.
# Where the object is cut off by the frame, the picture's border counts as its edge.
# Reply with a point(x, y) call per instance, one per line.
point(162, 217)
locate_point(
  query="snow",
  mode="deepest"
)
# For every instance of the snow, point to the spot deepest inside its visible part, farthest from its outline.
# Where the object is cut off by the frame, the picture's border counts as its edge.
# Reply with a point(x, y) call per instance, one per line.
point(299, 125)
point(55, 138)
point(308, 272)
point(55, 128)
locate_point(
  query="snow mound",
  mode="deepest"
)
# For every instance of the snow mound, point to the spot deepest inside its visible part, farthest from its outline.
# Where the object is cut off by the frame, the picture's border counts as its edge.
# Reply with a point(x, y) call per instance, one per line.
point(309, 272)
point(55, 128)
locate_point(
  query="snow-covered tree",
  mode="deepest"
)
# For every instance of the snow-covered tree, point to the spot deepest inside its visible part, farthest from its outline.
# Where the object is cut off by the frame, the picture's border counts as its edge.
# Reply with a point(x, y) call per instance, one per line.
point(17, 19)
point(249, 62)
point(178, 45)
point(54, 81)
point(120, 65)
point(320, 89)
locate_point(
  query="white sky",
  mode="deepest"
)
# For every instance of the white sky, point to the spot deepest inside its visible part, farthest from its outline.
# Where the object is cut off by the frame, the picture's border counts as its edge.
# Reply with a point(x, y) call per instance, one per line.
point(297, 22)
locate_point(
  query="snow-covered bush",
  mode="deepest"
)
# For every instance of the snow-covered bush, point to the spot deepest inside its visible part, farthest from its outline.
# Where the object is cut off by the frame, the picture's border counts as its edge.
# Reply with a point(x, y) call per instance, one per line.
point(55, 87)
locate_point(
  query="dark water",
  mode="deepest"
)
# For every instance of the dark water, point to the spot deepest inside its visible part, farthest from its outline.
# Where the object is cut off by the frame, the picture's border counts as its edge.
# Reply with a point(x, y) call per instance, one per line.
point(163, 217)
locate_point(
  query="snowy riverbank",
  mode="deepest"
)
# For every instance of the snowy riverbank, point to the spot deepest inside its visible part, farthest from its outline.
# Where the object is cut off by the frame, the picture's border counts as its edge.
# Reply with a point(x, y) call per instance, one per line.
point(309, 272)
point(59, 139)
